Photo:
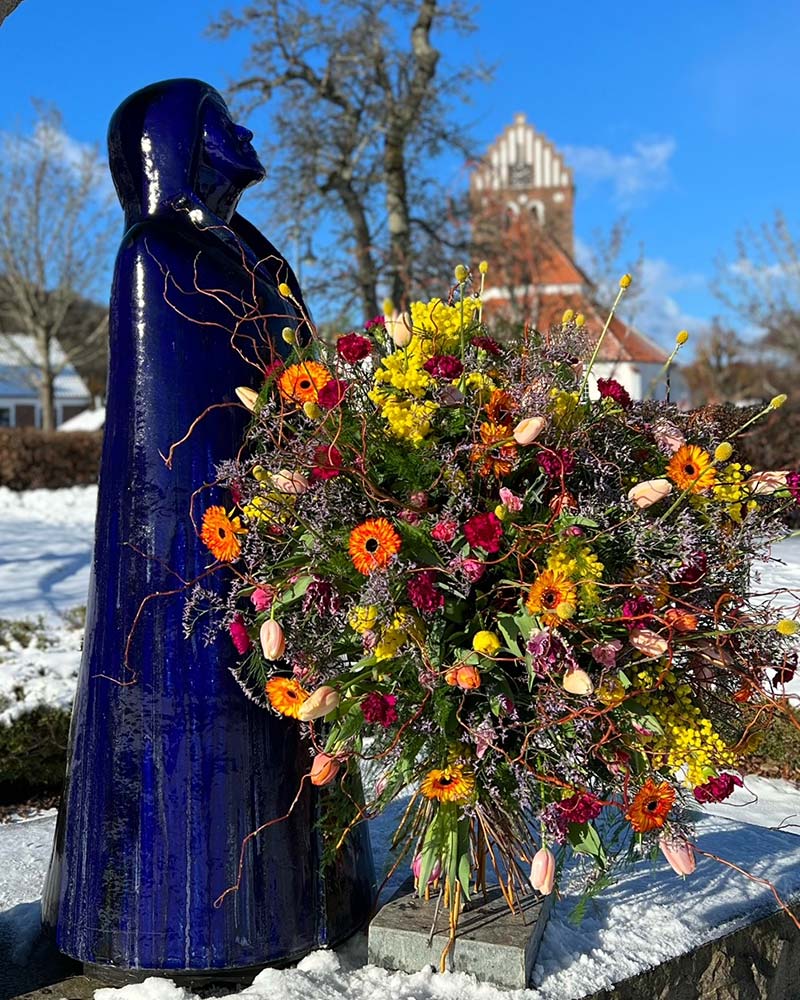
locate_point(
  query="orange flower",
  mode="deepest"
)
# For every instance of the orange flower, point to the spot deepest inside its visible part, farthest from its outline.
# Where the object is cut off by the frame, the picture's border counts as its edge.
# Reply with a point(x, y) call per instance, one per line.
point(219, 534)
point(495, 459)
point(650, 807)
point(286, 695)
point(452, 784)
point(372, 545)
point(690, 469)
point(301, 383)
point(553, 596)
point(680, 620)
point(500, 407)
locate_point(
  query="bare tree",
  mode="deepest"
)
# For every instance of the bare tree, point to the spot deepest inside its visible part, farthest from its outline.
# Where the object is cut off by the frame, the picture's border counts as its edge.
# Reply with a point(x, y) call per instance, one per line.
point(761, 284)
point(361, 107)
point(607, 260)
point(55, 245)
point(728, 369)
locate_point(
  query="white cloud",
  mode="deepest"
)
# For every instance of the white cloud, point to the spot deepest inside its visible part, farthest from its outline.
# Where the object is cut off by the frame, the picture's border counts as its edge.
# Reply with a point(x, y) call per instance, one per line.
point(645, 168)
point(48, 137)
point(658, 310)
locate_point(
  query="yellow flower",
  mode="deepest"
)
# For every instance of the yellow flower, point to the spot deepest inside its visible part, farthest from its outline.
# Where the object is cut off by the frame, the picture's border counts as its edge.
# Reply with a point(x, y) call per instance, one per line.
point(682, 337)
point(567, 315)
point(786, 626)
point(690, 469)
point(723, 451)
point(483, 267)
point(553, 596)
point(461, 273)
point(625, 281)
point(777, 401)
point(284, 289)
point(363, 618)
point(486, 642)
point(450, 784)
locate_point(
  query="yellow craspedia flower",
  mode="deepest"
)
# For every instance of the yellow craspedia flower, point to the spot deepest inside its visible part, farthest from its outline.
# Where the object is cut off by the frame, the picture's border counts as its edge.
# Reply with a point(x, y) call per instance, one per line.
point(625, 281)
point(485, 642)
point(483, 267)
point(682, 337)
point(284, 289)
point(461, 273)
point(777, 401)
point(567, 315)
point(312, 410)
point(723, 451)
point(787, 626)
point(500, 512)
point(288, 335)
point(580, 320)
point(363, 618)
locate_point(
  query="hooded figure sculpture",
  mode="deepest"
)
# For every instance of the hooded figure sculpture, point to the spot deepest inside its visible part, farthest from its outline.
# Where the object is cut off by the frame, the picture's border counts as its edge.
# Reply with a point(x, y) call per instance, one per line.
point(170, 765)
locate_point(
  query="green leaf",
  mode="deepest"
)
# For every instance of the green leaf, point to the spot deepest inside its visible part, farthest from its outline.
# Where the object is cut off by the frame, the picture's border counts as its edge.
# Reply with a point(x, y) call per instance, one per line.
point(586, 840)
point(434, 843)
point(509, 630)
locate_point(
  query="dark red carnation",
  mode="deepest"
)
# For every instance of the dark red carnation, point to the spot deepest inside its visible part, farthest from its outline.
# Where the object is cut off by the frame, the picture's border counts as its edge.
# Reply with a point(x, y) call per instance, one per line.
point(332, 393)
point(579, 808)
point(636, 611)
point(444, 366)
point(693, 571)
point(719, 788)
point(328, 462)
point(353, 347)
point(236, 493)
point(239, 636)
point(423, 593)
point(487, 344)
point(556, 462)
point(273, 369)
point(484, 531)
point(793, 482)
point(375, 321)
point(380, 708)
point(609, 388)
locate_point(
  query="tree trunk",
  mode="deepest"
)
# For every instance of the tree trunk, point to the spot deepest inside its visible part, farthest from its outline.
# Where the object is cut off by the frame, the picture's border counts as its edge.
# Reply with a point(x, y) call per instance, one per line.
point(366, 271)
point(47, 400)
point(398, 221)
point(6, 6)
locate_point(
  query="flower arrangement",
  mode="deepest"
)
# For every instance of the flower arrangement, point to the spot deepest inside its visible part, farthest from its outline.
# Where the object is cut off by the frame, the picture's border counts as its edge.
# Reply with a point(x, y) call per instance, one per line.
point(530, 609)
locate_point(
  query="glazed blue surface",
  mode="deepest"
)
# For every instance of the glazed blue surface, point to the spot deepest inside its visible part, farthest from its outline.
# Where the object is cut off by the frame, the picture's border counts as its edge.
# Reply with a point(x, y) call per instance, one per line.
point(170, 766)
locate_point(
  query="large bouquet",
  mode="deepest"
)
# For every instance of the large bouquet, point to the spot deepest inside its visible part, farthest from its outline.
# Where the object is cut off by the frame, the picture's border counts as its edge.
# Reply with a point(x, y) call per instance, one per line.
point(531, 610)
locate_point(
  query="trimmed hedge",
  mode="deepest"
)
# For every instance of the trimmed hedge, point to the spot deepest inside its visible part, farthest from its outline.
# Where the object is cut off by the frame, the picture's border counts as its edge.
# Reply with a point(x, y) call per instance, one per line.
point(33, 752)
point(31, 459)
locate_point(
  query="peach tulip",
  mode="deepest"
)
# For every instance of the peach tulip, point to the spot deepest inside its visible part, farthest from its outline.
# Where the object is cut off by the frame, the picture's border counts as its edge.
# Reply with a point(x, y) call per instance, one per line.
point(399, 328)
point(318, 704)
point(650, 492)
point(273, 642)
point(543, 871)
point(529, 429)
point(767, 482)
point(649, 643)
point(288, 481)
point(468, 677)
point(577, 681)
point(324, 769)
point(679, 853)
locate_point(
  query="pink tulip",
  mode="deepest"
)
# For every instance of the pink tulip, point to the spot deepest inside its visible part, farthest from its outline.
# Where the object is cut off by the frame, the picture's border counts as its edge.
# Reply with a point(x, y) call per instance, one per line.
point(399, 328)
point(416, 870)
point(680, 855)
point(262, 598)
point(529, 429)
point(273, 643)
point(767, 482)
point(287, 481)
point(543, 871)
point(650, 492)
point(319, 703)
point(649, 643)
point(324, 769)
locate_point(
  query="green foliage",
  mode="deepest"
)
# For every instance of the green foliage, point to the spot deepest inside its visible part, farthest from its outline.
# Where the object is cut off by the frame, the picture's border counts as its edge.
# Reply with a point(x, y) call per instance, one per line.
point(24, 632)
point(33, 753)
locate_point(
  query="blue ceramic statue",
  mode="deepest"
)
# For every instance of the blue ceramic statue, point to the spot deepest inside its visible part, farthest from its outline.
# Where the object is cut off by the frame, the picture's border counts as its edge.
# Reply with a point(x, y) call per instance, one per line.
point(170, 766)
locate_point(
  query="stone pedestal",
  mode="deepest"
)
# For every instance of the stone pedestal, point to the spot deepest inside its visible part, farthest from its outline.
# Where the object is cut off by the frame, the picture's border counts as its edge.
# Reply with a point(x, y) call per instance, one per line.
point(493, 944)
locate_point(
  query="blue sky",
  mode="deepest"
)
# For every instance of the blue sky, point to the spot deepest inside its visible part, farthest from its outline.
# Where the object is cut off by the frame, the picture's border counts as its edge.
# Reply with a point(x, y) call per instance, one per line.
point(681, 115)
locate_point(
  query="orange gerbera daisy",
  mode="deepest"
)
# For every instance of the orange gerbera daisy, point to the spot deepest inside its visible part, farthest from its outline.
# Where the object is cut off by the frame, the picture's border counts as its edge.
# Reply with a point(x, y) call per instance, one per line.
point(451, 784)
point(650, 807)
point(553, 596)
point(500, 407)
point(301, 383)
point(690, 469)
point(372, 545)
point(495, 459)
point(286, 695)
point(219, 533)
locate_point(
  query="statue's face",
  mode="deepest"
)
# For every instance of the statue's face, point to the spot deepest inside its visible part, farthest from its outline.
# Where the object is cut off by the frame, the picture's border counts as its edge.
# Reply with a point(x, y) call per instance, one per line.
point(227, 147)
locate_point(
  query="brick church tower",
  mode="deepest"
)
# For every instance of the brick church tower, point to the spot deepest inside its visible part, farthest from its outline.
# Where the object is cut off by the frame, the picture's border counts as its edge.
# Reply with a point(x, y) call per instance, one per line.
point(522, 198)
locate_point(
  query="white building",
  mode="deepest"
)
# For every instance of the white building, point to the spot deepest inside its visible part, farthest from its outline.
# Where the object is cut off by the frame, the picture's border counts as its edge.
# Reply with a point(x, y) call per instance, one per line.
point(19, 394)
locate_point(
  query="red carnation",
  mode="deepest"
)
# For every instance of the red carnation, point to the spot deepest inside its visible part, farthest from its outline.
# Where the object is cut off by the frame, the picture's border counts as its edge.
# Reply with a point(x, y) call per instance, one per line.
point(332, 393)
point(380, 708)
point(579, 808)
point(422, 592)
point(487, 344)
point(328, 462)
point(273, 369)
point(484, 531)
point(353, 347)
point(611, 389)
point(556, 462)
point(239, 636)
point(717, 789)
point(444, 531)
point(444, 366)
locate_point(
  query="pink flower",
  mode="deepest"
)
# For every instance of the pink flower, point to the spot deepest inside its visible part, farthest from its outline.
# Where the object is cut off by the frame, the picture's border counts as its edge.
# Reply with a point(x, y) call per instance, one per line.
point(380, 709)
point(375, 321)
point(484, 531)
point(473, 569)
point(273, 369)
point(332, 393)
point(324, 769)
point(416, 870)
point(410, 516)
point(328, 462)
point(636, 612)
point(510, 500)
point(423, 593)
point(444, 531)
point(718, 789)
point(239, 636)
point(606, 652)
point(679, 853)
point(262, 598)
point(543, 871)
point(273, 643)
point(353, 347)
